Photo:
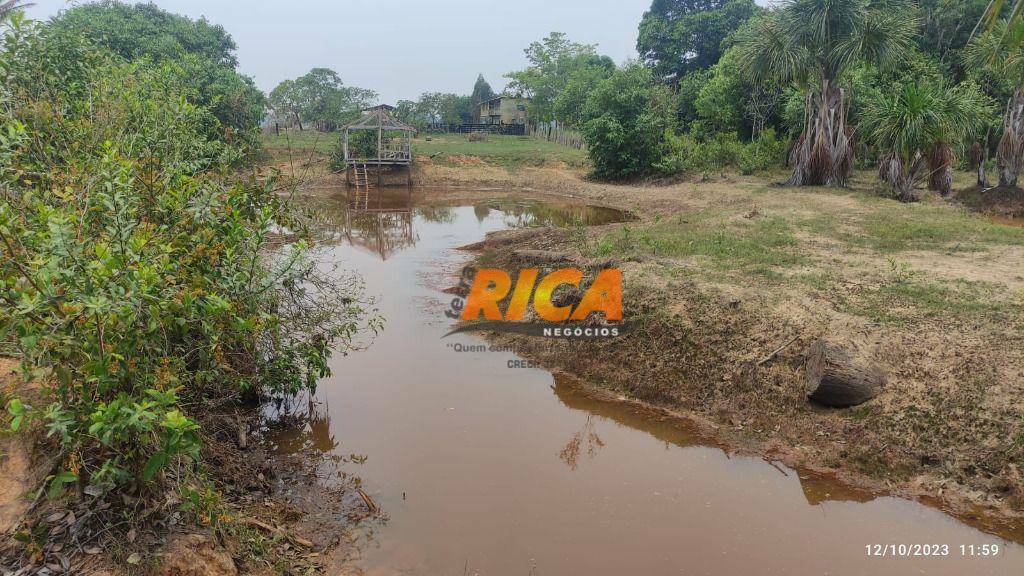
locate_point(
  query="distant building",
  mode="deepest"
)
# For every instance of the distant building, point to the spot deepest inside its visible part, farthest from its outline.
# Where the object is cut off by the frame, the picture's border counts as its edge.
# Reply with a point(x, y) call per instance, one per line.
point(504, 110)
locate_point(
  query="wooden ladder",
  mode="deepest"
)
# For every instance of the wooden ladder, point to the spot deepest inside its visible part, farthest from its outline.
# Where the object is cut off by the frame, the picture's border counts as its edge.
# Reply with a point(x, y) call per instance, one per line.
point(361, 180)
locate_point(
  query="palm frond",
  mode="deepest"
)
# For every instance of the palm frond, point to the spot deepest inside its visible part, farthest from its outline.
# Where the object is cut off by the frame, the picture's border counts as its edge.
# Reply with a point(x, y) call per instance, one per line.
point(999, 49)
point(881, 37)
point(768, 51)
point(911, 120)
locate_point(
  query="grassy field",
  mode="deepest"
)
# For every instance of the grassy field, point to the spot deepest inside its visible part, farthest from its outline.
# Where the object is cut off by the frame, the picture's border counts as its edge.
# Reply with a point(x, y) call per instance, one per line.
point(504, 151)
point(882, 260)
point(299, 144)
point(508, 152)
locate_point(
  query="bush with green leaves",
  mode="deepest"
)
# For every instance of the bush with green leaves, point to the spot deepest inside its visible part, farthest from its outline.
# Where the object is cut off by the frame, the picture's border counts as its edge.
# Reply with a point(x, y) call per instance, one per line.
point(685, 153)
point(143, 279)
point(763, 153)
point(144, 31)
point(625, 119)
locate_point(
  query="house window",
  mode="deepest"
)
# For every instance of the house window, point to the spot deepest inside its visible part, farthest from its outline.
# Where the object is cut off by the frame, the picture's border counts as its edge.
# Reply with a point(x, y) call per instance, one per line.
point(521, 107)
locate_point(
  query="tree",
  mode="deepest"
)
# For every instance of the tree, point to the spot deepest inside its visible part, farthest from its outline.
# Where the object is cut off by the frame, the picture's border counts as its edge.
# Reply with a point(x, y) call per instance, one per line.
point(626, 117)
point(444, 108)
point(145, 30)
point(570, 102)
point(553, 61)
point(1001, 51)
point(482, 92)
point(405, 111)
point(946, 27)
point(810, 44)
point(916, 128)
point(319, 96)
point(284, 99)
point(205, 51)
point(681, 36)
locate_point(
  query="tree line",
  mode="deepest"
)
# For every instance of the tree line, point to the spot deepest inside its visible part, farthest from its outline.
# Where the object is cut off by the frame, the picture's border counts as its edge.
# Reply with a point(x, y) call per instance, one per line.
point(320, 98)
point(821, 86)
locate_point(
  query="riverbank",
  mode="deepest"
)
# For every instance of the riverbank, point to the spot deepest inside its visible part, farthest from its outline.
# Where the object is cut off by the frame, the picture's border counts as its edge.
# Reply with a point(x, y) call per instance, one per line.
point(721, 272)
point(250, 510)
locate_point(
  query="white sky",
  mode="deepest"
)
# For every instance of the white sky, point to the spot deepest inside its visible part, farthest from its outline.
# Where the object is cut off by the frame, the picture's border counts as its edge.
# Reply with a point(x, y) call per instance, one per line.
point(401, 48)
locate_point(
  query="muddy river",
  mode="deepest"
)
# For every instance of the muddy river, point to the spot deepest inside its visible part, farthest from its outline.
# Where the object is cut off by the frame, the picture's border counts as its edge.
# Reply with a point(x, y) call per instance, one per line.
point(484, 466)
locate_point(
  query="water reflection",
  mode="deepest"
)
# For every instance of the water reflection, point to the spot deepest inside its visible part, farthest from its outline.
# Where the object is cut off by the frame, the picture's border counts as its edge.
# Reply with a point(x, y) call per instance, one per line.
point(379, 227)
point(574, 448)
point(383, 222)
point(299, 425)
point(816, 489)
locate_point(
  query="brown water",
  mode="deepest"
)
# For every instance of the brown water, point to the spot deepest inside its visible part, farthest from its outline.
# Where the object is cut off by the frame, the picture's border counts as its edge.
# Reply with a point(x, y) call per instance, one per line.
point(486, 469)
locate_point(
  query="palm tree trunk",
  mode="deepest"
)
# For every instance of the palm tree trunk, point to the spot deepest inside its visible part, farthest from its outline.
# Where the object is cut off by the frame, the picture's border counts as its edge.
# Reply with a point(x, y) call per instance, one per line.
point(1010, 153)
point(823, 154)
point(893, 172)
point(940, 168)
point(978, 158)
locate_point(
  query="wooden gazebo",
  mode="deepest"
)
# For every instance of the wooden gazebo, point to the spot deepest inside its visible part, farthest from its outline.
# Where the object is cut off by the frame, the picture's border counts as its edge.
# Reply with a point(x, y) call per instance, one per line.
point(391, 147)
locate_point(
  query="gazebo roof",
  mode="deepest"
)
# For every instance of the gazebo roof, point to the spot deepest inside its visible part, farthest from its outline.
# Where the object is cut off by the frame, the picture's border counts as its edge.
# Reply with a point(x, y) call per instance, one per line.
point(378, 117)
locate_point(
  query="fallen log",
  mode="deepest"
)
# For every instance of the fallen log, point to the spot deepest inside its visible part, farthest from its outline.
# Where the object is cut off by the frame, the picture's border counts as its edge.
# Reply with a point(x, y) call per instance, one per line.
point(835, 378)
point(371, 506)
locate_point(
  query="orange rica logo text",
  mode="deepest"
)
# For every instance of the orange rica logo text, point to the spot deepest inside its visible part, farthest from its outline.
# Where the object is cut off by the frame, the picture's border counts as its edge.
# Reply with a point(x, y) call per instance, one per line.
point(492, 286)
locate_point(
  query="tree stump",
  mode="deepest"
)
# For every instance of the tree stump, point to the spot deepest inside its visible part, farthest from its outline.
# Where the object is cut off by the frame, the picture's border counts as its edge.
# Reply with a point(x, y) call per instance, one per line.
point(836, 379)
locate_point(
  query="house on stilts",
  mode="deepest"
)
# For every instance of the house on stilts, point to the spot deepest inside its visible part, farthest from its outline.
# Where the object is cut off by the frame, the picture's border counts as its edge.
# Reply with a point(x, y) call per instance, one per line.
point(376, 141)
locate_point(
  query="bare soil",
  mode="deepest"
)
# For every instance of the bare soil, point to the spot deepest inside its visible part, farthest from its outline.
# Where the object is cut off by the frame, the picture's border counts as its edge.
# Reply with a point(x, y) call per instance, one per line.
point(997, 200)
point(274, 513)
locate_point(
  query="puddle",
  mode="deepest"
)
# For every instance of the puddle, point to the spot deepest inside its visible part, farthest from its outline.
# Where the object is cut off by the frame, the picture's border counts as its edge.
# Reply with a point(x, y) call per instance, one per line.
point(483, 468)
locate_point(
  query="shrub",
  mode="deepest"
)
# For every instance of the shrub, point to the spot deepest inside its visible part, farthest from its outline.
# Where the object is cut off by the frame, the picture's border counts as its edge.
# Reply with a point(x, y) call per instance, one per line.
point(138, 276)
point(625, 121)
point(762, 154)
point(684, 153)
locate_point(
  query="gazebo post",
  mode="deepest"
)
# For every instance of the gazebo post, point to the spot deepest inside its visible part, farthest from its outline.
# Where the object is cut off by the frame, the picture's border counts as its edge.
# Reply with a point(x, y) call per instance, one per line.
point(344, 151)
point(380, 147)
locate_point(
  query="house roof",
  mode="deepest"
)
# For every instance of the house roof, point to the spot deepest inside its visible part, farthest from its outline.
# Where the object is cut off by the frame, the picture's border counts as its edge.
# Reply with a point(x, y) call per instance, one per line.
point(502, 97)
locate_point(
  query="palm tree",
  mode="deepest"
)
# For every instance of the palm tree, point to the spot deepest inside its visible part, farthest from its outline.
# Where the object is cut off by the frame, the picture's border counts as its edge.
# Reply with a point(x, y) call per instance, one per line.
point(1002, 49)
point(916, 129)
point(995, 10)
point(9, 6)
point(809, 44)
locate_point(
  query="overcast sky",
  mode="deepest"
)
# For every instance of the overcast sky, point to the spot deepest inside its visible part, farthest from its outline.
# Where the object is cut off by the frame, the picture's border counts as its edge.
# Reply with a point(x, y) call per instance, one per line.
point(401, 48)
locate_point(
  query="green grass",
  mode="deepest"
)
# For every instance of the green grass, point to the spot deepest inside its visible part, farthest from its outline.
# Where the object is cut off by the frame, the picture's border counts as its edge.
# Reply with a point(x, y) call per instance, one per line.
point(445, 149)
point(930, 227)
point(757, 246)
point(505, 151)
point(910, 297)
point(300, 143)
point(890, 227)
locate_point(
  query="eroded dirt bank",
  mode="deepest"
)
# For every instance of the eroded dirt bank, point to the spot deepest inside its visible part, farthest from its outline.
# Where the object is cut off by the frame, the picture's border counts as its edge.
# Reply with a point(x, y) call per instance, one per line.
point(256, 510)
point(720, 274)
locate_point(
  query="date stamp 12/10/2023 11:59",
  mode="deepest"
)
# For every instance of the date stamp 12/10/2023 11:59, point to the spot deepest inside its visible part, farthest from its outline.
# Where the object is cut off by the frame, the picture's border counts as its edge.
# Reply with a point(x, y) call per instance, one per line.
point(940, 550)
